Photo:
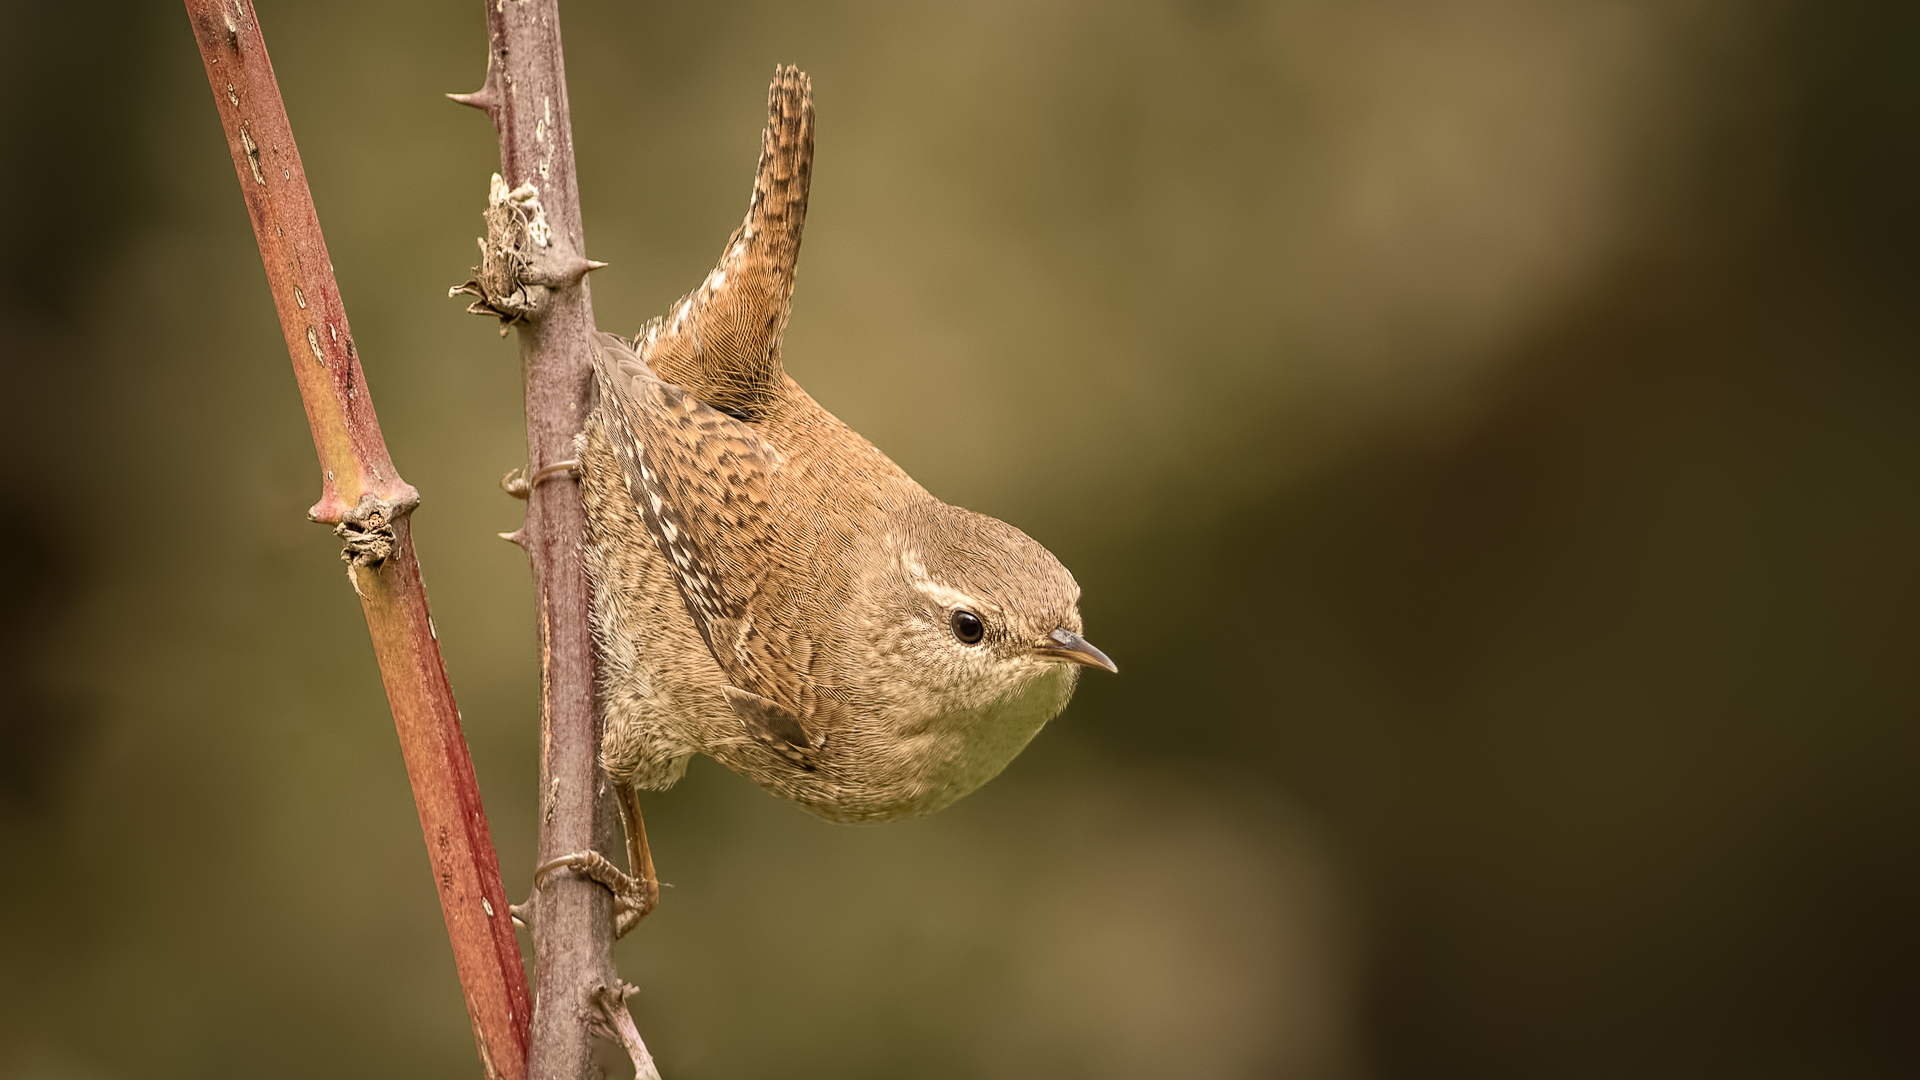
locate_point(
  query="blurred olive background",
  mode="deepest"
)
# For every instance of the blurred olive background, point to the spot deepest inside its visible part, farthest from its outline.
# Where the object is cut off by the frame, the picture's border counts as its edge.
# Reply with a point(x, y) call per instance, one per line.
point(1484, 432)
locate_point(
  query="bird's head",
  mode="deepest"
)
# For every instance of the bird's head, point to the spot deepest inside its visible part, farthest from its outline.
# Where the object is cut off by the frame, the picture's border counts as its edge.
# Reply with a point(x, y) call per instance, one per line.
point(981, 630)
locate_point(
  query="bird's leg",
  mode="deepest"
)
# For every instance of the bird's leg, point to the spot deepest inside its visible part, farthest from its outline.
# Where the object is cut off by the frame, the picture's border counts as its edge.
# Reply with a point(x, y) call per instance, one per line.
point(635, 894)
point(639, 861)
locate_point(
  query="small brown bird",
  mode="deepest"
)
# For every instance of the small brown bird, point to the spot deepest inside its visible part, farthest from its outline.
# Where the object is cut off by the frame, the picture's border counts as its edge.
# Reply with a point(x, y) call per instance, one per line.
point(770, 589)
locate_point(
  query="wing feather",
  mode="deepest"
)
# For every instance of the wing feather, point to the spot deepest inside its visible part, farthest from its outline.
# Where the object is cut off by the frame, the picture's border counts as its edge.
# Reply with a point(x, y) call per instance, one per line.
point(703, 482)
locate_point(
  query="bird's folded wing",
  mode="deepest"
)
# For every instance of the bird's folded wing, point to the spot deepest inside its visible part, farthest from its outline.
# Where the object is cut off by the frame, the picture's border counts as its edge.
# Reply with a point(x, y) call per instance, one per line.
point(702, 481)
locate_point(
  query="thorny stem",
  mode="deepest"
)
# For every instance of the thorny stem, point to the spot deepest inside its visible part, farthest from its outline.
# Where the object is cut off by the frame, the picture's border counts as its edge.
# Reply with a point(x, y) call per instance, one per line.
point(548, 300)
point(611, 1020)
point(363, 495)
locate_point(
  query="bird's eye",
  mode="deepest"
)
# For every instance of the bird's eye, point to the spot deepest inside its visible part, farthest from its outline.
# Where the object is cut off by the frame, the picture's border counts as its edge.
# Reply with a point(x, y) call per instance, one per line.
point(968, 627)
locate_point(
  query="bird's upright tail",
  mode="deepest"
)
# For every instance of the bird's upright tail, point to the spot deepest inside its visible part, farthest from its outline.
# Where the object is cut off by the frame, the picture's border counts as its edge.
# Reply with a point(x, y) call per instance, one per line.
point(722, 341)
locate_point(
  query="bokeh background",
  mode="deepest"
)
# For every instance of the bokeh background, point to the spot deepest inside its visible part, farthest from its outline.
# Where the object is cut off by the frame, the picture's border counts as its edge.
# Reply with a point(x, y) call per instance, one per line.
point(1484, 430)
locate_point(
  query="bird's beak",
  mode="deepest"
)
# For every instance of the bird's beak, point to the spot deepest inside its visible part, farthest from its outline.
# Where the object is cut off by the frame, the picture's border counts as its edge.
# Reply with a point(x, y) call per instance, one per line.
point(1067, 646)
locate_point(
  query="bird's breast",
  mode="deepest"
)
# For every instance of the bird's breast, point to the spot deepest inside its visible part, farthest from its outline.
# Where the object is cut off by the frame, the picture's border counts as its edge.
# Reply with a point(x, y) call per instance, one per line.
point(932, 759)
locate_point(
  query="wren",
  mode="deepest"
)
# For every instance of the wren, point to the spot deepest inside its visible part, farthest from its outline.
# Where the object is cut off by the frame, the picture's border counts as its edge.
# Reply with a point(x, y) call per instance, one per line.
point(770, 589)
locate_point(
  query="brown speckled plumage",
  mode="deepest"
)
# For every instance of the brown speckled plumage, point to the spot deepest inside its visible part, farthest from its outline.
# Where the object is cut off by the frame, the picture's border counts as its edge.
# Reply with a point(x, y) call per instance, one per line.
point(771, 589)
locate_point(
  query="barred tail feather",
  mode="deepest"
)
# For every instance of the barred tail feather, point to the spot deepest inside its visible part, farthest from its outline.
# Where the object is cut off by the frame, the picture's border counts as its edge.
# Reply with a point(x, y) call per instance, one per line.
point(721, 342)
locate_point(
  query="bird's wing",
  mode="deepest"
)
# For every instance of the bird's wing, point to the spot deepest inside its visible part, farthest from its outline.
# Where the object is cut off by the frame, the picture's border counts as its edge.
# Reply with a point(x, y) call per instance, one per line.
point(722, 341)
point(702, 481)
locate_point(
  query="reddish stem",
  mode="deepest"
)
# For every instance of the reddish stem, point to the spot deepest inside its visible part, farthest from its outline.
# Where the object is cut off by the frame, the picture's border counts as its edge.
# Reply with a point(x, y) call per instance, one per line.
point(358, 479)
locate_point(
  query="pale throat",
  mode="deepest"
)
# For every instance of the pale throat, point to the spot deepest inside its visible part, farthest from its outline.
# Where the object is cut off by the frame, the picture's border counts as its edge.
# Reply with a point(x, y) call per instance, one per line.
point(978, 746)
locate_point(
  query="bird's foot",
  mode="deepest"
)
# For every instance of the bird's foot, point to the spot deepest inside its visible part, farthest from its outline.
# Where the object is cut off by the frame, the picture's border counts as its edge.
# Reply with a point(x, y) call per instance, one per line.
point(519, 485)
point(633, 897)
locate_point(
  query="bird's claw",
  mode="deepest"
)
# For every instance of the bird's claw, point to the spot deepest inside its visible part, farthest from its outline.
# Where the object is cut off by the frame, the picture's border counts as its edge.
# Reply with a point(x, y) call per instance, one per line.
point(520, 484)
point(633, 898)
